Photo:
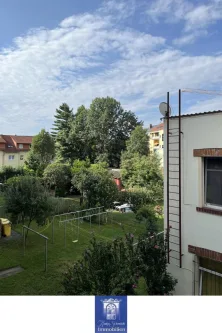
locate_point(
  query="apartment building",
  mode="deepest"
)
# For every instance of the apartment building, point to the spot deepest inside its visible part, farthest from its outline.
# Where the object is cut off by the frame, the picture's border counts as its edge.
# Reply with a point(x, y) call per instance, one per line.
point(156, 141)
point(193, 201)
point(14, 149)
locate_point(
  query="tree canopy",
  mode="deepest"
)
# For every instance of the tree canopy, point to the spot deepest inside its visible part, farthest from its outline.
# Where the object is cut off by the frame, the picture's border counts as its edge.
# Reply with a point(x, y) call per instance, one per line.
point(61, 133)
point(96, 185)
point(58, 177)
point(42, 152)
point(26, 200)
point(98, 133)
point(110, 127)
point(138, 142)
point(141, 171)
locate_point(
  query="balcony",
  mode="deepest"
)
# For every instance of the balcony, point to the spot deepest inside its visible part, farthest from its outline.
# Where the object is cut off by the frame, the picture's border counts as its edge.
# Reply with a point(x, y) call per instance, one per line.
point(156, 137)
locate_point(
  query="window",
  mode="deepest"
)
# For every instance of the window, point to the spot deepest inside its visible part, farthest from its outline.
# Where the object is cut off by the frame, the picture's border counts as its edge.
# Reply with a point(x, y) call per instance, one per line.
point(213, 181)
point(11, 157)
point(21, 157)
point(162, 137)
point(162, 146)
point(20, 145)
point(10, 146)
point(210, 277)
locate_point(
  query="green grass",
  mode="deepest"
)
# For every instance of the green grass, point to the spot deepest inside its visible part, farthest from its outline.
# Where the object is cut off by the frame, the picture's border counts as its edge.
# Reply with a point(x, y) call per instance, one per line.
point(33, 280)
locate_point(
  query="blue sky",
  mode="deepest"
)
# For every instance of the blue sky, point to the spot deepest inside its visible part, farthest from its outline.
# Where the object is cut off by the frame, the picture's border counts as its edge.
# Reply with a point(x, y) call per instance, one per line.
point(135, 51)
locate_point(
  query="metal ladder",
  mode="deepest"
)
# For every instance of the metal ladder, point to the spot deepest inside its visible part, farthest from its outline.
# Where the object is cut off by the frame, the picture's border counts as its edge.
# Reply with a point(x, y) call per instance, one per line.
point(174, 188)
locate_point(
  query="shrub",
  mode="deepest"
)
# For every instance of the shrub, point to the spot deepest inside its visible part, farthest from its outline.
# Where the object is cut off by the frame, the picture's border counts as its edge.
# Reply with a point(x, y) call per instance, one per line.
point(9, 172)
point(148, 216)
point(62, 205)
point(105, 269)
point(114, 268)
point(137, 197)
point(152, 254)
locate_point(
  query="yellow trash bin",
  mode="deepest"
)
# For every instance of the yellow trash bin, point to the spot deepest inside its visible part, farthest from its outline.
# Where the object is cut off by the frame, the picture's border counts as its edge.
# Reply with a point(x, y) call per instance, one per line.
point(6, 227)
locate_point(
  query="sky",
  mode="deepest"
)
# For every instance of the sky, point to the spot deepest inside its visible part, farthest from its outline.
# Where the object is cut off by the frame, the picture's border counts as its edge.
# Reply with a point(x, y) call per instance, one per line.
point(71, 51)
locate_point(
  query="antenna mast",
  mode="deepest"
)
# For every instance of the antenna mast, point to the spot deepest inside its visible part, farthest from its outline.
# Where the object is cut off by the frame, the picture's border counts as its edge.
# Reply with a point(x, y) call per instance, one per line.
point(202, 91)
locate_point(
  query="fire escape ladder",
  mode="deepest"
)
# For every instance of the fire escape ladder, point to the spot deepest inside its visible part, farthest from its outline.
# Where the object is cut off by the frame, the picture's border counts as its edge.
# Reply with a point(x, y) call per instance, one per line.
point(174, 187)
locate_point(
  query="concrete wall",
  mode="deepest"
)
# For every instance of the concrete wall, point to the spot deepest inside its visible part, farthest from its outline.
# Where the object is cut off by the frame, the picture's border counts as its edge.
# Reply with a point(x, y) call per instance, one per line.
point(198, 229)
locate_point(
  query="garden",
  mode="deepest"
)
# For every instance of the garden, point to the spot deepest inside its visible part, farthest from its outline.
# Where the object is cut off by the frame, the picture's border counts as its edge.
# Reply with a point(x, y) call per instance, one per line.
point(59, 248)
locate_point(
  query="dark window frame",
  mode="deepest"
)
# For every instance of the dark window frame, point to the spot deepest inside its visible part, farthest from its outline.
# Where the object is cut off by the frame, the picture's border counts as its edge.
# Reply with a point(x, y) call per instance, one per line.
point(206, 170)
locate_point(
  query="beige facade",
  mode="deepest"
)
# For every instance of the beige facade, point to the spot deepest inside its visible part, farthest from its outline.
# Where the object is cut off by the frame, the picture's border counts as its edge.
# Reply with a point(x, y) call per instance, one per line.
point(156, 141)
point(14, 159)
point(14, 150)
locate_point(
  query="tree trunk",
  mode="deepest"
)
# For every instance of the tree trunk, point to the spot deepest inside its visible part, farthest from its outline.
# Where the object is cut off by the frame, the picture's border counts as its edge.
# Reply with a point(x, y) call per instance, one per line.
point(27, 231)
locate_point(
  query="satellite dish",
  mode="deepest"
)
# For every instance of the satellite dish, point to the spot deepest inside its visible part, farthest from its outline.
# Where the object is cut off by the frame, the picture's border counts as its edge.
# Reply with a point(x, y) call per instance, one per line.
point(163, 107)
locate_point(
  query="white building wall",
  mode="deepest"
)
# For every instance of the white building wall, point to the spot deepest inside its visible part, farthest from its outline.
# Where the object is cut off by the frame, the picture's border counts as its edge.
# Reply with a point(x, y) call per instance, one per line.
point(198, 229)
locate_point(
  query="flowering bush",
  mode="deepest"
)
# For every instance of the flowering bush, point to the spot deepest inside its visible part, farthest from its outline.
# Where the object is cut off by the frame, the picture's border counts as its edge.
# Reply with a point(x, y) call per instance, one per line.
point(153, 266)
point(105, 269)
point(115, 268)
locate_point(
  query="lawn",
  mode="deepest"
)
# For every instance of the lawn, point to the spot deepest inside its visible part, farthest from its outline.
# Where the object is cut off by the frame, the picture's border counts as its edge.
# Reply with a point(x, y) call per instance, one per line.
point(33, 280)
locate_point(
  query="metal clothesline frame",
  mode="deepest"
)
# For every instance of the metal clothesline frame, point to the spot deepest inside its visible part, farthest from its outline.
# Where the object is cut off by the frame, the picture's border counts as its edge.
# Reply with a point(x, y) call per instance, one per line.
point(78, 219)
point(72, 213)
point(41, 235)
point(159, 233)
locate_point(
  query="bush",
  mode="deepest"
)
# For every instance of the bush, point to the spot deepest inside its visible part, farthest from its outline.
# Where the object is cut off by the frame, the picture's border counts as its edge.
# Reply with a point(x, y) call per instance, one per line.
point(114, 268)
point(137, 197)
point(9, 172)
point(61, 205)
point(105, 269)
point(148, 216)
point(152, 253)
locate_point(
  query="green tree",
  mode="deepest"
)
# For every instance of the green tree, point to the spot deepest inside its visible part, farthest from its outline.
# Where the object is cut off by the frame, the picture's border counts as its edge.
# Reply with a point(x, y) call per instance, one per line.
point(58, 177)
point(42, 152)
point(109, 126)
point(26, 200)
point(105, 269)
point(138, 142)
point(96, 186)
point(61, 132)
point(141, 171)
point(79, 165)
point(79, 135)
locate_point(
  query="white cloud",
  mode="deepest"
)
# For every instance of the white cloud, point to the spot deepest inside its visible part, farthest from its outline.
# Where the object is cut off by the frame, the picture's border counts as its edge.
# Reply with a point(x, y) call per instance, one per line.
point(168, 10)
point(196, 16)
point(189, 38)
point(212, 104)
point(87, 56)
point(204, 15)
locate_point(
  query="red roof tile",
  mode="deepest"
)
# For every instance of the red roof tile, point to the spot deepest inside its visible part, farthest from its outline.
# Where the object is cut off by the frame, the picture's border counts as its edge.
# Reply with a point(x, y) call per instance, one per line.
point(156, 128)
point(22, 139)
point(2, 140)
point(12, 141)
